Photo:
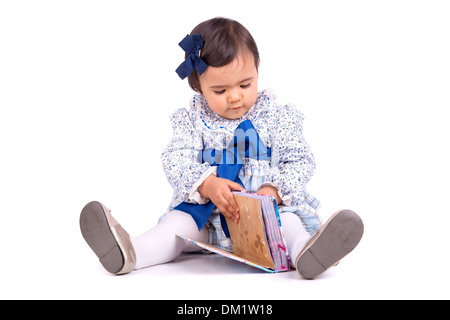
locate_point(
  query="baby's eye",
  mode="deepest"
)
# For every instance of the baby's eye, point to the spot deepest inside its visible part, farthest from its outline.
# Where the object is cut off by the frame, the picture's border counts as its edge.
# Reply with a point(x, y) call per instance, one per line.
point(220, 92)
point(244, 86)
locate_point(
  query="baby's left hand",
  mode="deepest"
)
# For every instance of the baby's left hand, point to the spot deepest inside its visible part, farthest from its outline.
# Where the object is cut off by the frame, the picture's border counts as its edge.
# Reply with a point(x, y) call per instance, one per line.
point(270, 191)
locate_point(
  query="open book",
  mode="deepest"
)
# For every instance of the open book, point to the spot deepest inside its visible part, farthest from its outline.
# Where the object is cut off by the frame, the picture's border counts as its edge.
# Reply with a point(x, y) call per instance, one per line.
point(257, 239)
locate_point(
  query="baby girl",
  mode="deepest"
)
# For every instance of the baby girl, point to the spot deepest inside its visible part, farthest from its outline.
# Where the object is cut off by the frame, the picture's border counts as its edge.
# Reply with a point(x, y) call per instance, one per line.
point(221, 64)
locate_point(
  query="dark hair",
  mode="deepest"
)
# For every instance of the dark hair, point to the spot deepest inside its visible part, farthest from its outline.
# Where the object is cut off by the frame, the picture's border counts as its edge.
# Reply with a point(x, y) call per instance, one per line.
point(223, 39)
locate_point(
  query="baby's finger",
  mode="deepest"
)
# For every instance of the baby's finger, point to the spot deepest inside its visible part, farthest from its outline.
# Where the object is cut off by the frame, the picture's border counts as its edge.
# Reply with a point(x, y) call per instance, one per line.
point(232, 202)
point(233, 215)
point(227, 210)
point(228, 214)
point(236, 186)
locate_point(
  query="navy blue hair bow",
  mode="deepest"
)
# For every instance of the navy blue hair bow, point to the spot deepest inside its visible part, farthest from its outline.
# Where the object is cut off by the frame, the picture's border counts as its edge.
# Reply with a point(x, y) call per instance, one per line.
point(192, 46)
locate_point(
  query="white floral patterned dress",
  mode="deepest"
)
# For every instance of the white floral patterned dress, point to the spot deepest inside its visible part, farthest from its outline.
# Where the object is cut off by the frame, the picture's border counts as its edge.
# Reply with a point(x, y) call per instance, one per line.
point(280, 128)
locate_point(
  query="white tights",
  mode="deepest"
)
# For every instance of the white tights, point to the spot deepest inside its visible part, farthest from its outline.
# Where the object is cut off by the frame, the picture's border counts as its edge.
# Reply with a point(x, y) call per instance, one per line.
point(161, 245)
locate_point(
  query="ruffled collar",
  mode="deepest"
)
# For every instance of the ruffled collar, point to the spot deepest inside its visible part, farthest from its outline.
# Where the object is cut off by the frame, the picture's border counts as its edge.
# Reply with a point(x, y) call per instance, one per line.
point(213, 122)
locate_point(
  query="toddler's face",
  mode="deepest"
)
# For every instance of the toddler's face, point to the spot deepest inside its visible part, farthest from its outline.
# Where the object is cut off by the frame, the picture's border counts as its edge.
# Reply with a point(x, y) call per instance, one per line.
point(231, 90)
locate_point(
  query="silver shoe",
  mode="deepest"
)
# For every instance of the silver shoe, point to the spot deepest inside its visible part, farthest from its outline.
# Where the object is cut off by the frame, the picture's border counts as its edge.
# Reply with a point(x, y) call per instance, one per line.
point(106, 237)
point(333, 241)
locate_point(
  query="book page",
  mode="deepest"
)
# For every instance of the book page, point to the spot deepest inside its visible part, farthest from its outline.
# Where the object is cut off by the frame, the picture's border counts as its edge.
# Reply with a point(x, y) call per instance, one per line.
point(225, 253)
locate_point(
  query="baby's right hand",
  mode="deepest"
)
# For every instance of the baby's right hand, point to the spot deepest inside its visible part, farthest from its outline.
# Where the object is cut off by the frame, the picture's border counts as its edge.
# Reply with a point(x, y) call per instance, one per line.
point(218, 190)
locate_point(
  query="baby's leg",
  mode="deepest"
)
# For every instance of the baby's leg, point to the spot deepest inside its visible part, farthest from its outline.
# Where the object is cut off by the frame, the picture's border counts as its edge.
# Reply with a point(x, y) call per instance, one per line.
point(295, 234)
point(161, 245)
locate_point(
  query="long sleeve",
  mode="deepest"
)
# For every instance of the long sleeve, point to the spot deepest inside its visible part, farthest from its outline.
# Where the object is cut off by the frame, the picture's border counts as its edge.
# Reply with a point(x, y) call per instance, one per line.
point(179, 158)
point(292, 161)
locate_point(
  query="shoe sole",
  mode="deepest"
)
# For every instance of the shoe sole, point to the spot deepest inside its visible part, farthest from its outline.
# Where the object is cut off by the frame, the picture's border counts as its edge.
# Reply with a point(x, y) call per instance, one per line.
point(333, 241)
point(109, 241)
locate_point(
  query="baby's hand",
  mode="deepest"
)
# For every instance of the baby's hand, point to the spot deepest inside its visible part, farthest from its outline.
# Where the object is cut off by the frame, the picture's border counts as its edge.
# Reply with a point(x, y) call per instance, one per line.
point(218, 190)
point(270, 191)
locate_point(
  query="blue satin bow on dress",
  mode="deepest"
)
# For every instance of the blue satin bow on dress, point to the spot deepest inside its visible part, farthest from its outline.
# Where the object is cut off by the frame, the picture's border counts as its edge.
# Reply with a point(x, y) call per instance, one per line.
point(246, 143)
point(192, 46)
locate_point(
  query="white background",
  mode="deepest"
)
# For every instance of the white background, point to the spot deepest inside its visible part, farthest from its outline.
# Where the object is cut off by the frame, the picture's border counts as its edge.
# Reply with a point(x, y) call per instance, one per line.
point(86, 91)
